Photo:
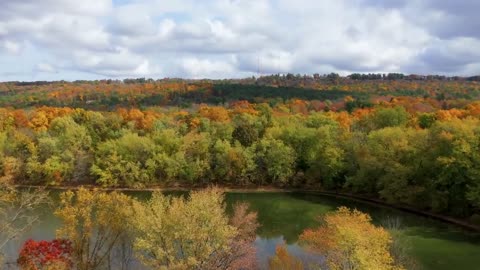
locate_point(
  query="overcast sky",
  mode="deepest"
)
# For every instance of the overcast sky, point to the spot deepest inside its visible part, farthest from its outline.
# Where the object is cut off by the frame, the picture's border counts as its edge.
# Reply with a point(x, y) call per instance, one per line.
point(94, 39)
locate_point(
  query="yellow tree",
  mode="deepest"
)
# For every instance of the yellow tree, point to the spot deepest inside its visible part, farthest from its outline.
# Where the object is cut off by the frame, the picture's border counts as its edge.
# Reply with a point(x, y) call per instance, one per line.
point(219, 114)
point(39, 121)
point(349, 240)
point(95, 223)
point(182, 233)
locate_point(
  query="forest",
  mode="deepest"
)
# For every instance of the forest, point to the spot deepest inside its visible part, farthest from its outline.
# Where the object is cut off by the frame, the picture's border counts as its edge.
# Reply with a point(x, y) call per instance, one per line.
point(403, 140)
point(408, 142)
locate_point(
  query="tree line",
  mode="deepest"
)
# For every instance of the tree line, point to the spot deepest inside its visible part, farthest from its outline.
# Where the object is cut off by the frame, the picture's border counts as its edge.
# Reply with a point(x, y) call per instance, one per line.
point(427, 160)
point(108, 94)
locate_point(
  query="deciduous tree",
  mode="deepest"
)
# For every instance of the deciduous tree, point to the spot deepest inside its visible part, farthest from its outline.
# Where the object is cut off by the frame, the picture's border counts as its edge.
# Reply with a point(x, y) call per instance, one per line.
point(18, 212)
point(95, 222)
point(349, 240)
point(182, 233)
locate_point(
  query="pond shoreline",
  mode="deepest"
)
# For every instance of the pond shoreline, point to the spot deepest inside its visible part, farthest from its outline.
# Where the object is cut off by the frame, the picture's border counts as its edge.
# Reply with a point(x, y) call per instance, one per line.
point(447, 219)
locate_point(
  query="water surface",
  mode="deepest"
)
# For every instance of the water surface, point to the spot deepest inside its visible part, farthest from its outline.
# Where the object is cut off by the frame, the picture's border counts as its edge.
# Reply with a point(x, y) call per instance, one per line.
point(283, 216)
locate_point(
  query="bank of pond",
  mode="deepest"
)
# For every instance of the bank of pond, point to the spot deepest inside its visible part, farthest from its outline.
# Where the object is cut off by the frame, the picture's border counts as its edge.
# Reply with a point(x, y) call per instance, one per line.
point(284, 216)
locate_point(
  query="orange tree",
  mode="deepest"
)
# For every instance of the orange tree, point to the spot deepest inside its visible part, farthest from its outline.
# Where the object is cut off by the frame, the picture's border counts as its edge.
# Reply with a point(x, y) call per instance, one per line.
point(349, 240)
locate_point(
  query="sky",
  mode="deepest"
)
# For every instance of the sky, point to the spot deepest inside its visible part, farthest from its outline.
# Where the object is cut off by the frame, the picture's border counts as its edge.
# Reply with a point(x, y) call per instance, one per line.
point(97, 39)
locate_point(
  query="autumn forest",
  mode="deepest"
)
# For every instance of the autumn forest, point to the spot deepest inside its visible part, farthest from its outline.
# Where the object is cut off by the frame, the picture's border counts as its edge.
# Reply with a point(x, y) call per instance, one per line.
point(403, 140)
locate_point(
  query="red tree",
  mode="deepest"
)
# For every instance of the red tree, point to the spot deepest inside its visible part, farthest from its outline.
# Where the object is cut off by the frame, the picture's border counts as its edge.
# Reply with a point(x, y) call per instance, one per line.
point(36, 255)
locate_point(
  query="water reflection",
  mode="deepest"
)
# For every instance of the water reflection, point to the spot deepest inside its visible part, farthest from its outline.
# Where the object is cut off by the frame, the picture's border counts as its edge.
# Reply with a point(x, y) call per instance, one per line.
point(283, 216)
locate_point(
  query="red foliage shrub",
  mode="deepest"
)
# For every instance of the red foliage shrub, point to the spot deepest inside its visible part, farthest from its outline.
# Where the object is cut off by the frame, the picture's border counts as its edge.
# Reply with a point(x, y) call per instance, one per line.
point(36, 255)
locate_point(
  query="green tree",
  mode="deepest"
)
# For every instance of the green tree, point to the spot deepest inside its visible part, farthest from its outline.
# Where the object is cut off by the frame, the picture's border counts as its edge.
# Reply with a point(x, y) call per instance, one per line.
point(62, 154)
point(275, 160)
point(327, 163)
point(232, 164)
point(453, 161)
point(123, 162)
point(303, 140)
point(169, 140)
point(426, 120)
point(390, 117)
point(382, 118)
point(196, 152)
point(100, 126)
point(387, 163)
point(70, 135)
point(247, 129)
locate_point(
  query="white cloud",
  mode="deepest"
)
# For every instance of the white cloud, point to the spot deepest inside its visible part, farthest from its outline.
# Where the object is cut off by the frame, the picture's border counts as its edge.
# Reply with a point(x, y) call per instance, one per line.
point(232, 38)
point(204, 68)
point(268, 62)
point(119, 63)
point(37, 8)
point(11, 46)
point(45, 67)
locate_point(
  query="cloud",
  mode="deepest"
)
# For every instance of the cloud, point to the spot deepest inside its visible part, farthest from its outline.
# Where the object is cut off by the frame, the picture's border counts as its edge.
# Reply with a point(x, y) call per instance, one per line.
point(268, 62)
point(205, 68)
point(119, 63)
point(45, 67)
point(37, 8)
point(232, 38)
point(455, 18)
point(452, 55)
point(11, 47)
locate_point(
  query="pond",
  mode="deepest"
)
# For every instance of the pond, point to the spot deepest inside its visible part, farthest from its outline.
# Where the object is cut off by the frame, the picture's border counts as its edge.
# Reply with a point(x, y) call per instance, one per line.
point(283, 216)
